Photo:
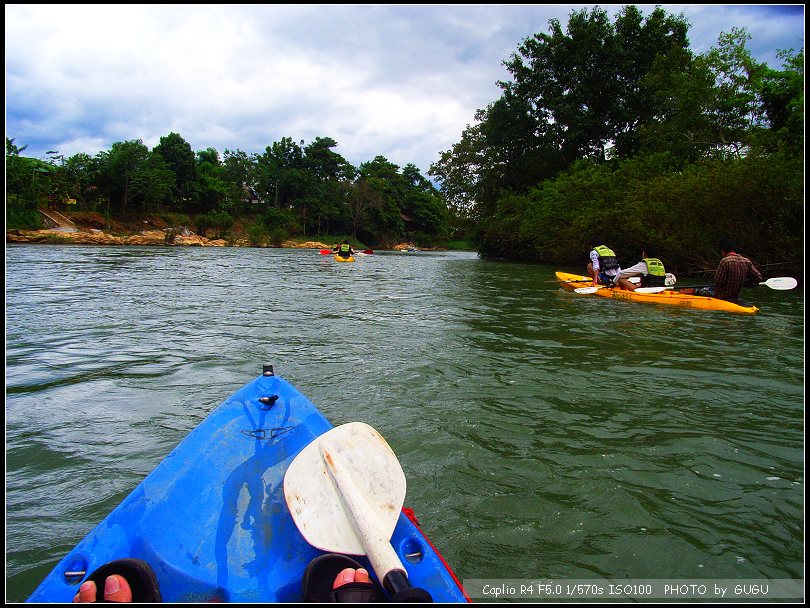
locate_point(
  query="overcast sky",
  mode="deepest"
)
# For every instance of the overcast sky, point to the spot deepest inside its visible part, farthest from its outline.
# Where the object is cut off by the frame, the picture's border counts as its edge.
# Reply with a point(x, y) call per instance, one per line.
point(398, 81)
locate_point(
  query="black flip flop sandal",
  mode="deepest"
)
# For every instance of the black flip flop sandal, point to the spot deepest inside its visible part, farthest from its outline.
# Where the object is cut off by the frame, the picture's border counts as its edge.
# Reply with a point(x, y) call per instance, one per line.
point(320, 576)
point(139, 575)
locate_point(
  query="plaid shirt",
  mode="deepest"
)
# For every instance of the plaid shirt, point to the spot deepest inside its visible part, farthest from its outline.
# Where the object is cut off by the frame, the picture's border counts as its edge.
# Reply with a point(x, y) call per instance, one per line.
point(732, 273)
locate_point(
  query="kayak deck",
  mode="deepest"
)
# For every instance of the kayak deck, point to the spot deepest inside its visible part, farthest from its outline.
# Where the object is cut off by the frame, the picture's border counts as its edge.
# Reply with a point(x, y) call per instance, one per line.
point(212, 520)
point(671, 298)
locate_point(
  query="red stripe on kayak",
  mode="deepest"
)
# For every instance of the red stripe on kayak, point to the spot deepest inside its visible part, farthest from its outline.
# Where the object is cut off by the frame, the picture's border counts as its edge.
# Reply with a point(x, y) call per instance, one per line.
point(409, 513)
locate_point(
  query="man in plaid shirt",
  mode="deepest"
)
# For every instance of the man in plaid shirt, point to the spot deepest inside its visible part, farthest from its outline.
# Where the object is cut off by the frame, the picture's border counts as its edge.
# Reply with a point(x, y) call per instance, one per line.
point(733, 272)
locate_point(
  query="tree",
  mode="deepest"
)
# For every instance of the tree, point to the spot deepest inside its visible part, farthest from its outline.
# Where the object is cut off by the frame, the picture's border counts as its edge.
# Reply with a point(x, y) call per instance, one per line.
point(212, 185)
point(240, 175)
point(579, 93)
point(361, 198)
point(273, 166)
point(782, 95)
point(117, 170)
point(324, 163)
point(734, 109)
point(154, 183)
point(461, 173)
point(181, 160)
point(19, 170)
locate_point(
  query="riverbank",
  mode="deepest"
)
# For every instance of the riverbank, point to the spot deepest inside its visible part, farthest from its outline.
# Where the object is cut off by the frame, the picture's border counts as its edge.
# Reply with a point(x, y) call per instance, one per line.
point(92, 229)
point(94, 236)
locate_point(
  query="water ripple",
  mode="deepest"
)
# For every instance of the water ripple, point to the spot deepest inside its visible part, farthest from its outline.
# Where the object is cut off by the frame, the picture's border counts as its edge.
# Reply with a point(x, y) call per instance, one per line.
point(542, 434)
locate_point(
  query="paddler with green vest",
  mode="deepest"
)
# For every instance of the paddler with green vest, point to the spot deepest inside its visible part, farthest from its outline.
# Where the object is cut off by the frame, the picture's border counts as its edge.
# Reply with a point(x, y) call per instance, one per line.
point(345, 250)
point(650, 269)
point(604, 268)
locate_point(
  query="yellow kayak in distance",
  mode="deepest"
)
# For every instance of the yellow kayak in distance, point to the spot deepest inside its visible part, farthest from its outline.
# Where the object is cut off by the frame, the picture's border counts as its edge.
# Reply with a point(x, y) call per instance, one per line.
point(668, 297)
point(348, 259)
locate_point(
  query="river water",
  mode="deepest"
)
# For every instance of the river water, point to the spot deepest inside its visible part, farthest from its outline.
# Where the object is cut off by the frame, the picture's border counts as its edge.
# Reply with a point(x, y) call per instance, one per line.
point(543, 434)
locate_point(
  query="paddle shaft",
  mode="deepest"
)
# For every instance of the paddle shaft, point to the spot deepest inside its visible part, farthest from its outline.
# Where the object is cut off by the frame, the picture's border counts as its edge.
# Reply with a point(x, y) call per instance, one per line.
point(380, 553)
point(634, 279)
point(778, 283)
point(586, 290)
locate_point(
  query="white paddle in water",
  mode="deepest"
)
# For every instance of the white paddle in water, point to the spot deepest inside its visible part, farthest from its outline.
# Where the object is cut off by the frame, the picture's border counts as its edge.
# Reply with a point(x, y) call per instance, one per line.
point(345, 492)
point(778, 283)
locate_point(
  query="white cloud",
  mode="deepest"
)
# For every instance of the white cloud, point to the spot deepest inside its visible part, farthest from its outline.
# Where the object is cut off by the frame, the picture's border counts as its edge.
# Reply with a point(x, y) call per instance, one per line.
point(398, 81)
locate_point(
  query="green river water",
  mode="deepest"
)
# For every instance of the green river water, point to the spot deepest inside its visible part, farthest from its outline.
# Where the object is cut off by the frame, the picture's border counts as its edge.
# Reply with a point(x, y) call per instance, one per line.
point(542, 434)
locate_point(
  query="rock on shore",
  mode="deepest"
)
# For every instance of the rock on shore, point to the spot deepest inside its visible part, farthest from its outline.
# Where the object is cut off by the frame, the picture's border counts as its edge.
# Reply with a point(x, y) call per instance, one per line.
point(97, 237)
point(147, 237)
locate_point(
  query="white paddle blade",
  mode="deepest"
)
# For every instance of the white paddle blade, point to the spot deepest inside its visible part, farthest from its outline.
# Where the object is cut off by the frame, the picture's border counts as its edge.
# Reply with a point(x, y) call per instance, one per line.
point(317, 504)
point(650, 289)
point(781, 283)
point(586, 290)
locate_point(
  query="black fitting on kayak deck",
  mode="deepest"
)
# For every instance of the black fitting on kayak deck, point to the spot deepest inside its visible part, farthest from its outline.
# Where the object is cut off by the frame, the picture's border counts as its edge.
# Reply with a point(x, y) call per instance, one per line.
point(400, 590)
point(268, 433)
point(267, 370)
point(268, 402)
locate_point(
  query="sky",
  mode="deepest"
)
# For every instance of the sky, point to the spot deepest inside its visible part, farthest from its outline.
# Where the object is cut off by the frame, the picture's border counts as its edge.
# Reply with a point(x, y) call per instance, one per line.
point(401, 81)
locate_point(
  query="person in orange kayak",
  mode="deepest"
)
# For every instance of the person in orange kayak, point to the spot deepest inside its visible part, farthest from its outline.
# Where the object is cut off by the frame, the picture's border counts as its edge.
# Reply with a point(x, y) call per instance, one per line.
point(733, 273)
point(604, 268)
point(650, 269)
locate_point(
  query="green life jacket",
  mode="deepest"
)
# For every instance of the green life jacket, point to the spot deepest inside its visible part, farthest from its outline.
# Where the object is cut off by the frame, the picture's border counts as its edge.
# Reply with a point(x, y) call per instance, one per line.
point(607, 259)
point(657, 273)
point(344, 248)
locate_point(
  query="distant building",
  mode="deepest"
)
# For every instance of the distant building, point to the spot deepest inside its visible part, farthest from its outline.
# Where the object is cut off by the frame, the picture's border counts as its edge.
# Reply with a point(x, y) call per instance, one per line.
point(249, 195)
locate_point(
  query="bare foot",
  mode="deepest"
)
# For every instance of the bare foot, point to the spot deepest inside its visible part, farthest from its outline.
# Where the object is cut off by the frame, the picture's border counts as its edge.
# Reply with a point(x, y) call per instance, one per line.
point(116, 588)
point(350, 575)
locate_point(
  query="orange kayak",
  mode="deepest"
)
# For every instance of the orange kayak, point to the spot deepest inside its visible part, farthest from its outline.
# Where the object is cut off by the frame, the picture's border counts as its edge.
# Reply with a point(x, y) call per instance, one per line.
point(668, 297)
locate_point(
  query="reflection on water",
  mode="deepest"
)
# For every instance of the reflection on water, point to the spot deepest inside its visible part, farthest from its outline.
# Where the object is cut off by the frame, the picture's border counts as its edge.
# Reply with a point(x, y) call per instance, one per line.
point(542, 434)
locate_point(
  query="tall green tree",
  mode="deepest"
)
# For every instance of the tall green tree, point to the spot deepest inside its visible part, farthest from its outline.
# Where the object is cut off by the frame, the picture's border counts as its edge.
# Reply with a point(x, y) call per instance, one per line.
point(362, 198)
point(324, 163)
point(276, 167)
point(576, 93)
point(384, 216)
point(239, 170)
point(782, 97)
point(76, 179)
point(212, 184)
point(735, 111)
point(181, 160)
point(153, 185)
point(19, 170)
point(117, 169)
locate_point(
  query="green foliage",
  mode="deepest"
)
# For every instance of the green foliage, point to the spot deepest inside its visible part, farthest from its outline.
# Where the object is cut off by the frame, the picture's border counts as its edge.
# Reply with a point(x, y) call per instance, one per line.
point(217, 222)
point(297, 189)
point(22, 217)
point(783, 103)
point(180, 159)
point(277, 236)
point(117, 170)
point(756, 200)
point(284, 219)
point(175, 220)
point(257, 234)
point(617, 130)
